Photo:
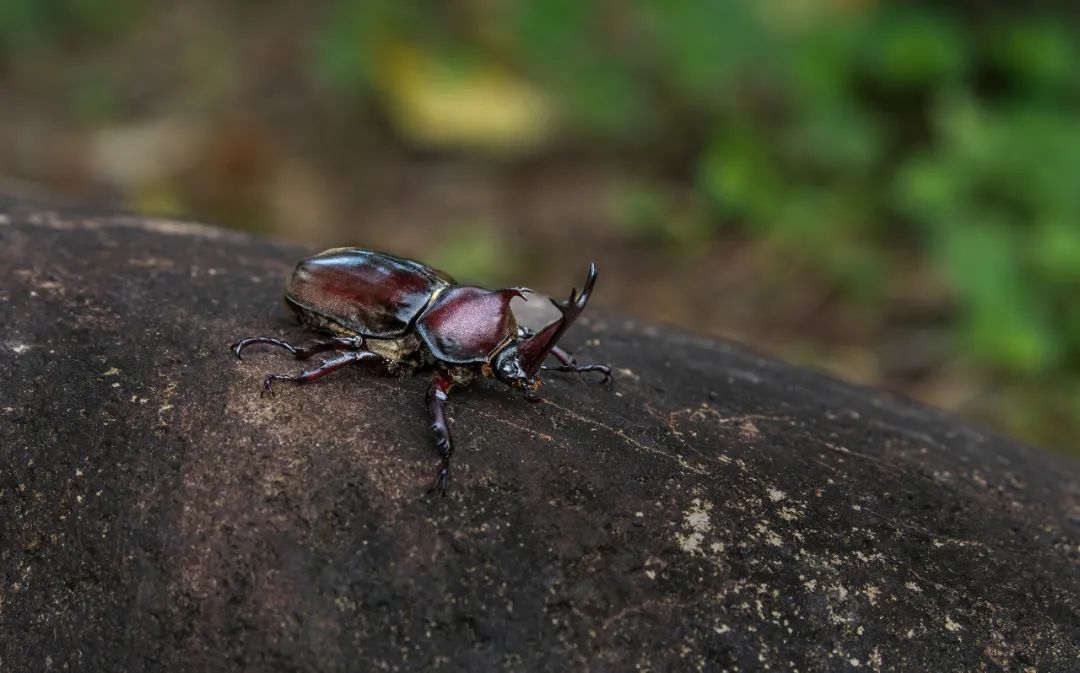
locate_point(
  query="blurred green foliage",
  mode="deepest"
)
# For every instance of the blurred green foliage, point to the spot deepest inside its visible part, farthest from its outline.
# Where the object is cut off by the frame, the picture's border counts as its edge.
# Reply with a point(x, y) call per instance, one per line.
point(855, 140)
point(32, 25)
point(835, 131)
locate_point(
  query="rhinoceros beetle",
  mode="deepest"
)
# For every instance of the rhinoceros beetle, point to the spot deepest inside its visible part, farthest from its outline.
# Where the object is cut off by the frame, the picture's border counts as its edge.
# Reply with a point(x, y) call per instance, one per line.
point(407, 316)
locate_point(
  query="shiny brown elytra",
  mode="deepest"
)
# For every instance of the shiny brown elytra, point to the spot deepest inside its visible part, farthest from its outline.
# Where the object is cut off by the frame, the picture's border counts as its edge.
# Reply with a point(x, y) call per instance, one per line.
point(406, 317)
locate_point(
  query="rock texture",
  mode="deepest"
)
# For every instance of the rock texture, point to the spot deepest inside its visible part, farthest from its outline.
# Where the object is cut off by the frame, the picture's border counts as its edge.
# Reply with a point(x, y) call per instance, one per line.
point(719, 511)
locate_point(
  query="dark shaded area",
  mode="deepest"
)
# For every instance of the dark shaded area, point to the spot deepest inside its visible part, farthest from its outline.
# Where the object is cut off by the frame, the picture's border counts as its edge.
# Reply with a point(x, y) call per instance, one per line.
point(719, 511)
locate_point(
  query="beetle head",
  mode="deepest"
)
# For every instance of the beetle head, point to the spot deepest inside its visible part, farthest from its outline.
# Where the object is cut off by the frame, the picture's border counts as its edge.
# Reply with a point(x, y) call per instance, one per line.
point(509, 367)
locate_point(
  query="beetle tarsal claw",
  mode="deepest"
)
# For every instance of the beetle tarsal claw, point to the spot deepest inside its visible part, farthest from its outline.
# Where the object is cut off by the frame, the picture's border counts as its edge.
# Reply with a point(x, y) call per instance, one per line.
point(442, 479)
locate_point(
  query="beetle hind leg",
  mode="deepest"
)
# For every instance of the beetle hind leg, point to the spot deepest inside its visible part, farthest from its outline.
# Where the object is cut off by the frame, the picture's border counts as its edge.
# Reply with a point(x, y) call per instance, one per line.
point(324, 368)
point(299, 352)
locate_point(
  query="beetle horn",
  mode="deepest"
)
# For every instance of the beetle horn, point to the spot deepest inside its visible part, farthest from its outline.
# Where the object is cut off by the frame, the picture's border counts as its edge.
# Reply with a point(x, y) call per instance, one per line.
point(517, 292)
point(536, 348)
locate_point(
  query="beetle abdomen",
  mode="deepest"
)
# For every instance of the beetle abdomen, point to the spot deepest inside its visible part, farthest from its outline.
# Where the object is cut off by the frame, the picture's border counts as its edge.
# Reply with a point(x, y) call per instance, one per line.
point(370, 293)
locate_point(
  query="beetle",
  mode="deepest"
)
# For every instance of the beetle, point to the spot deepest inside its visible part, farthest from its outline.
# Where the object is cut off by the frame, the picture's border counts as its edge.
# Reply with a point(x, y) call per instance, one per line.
point(406, 317)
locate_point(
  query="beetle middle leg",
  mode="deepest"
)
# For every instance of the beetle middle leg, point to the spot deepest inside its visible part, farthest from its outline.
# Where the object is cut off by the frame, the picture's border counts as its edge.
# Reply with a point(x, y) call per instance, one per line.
point(567, 363)
point(436, 397)
point(326, 367)
point(300, 352)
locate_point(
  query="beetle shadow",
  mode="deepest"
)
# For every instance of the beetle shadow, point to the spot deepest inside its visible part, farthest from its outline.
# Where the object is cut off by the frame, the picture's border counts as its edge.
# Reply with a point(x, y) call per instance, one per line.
point(278, 316)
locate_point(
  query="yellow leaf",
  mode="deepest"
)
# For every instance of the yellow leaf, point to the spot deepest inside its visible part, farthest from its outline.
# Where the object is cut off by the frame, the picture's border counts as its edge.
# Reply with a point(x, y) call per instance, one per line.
point(478, 107)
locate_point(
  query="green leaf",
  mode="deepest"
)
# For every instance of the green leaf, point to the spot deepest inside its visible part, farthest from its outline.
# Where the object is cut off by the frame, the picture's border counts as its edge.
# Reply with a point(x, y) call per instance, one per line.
point(916, 46)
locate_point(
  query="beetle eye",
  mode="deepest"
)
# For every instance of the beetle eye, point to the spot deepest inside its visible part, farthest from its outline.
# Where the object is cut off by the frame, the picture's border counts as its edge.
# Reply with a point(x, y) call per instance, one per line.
point(510, 371)
point(508, 367)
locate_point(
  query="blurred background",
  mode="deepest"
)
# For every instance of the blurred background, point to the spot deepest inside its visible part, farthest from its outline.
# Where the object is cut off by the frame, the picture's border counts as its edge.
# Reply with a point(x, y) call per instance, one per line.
point(890, 191)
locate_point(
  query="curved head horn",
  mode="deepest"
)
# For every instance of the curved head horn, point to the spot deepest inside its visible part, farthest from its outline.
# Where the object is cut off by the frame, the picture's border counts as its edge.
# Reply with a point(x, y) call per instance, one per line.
point(536, 348)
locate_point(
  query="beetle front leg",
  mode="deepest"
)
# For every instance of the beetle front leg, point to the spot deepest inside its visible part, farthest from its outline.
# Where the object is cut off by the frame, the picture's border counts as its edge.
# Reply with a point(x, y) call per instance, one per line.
point(436, 397)
point(327, 367)
point(567, 363)
point(301, 352)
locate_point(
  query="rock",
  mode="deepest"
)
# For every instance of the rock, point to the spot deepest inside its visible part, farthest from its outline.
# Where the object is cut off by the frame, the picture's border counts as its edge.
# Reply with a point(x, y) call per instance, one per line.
point(719, 511)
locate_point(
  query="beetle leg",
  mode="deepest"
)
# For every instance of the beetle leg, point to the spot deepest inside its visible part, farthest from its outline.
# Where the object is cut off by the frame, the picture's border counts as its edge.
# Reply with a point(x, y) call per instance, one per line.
point(302, 352)
point(326, 367)
point(567, 363)
point(563, 356)
point(436, 399)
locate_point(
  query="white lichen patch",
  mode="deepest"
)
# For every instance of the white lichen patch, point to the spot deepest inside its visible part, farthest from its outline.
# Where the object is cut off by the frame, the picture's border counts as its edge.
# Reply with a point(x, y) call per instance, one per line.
point(776, 495)
point(872, 593)
point(748, 431)
point(789, 514)
point(875, 658)
point(841, 591)
point(770, 536)
point(625, 372)
point(697, 523)
point(950, 625)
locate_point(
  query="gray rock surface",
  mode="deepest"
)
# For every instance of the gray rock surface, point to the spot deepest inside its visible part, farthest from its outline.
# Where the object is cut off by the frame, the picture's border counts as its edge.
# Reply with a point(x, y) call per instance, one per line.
point(719, 511)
